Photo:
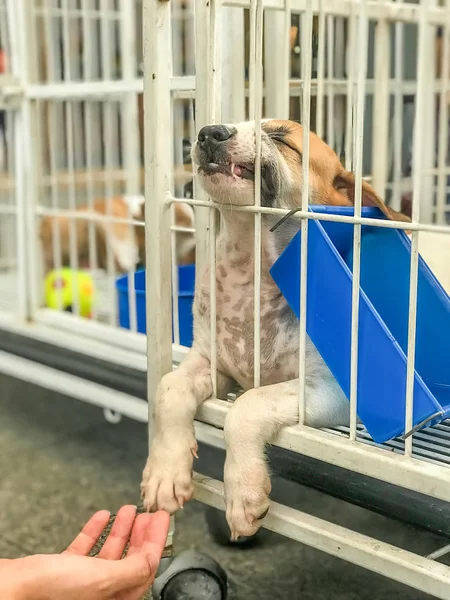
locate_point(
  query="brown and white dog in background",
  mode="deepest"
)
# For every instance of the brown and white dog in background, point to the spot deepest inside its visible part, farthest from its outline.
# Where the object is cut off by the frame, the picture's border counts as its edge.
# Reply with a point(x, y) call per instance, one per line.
point(127, 243)
point(224, 158)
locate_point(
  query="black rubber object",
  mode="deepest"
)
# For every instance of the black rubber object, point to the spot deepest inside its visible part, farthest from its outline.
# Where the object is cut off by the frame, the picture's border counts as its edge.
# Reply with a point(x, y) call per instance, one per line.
point(191, 576)
point(373, 494)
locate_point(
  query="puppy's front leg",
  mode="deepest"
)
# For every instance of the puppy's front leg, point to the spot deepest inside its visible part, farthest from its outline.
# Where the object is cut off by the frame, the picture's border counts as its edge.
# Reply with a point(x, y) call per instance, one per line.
point(167, 478)
point(255, 420)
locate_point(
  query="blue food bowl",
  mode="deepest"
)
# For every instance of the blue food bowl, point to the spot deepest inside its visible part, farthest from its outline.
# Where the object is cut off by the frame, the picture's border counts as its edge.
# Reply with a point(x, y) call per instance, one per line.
point(186, 285)
point(383, 319)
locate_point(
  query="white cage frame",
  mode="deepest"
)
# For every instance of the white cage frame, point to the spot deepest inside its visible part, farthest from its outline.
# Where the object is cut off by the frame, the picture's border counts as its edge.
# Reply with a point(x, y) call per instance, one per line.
point(348, 452)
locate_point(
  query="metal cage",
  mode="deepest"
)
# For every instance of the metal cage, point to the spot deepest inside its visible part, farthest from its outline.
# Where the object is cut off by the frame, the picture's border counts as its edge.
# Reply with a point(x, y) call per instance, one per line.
point(361, 103)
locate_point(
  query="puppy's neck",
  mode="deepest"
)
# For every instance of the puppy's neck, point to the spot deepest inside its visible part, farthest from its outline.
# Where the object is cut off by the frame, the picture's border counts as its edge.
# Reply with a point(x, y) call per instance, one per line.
point(237, 238)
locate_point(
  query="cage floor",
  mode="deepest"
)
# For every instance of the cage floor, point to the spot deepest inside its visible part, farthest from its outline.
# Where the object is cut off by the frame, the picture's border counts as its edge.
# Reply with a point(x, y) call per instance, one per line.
point(430, 445)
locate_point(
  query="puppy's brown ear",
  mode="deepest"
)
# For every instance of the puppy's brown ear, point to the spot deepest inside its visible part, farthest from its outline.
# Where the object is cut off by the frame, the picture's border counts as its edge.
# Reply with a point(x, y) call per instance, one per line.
point(344, 194)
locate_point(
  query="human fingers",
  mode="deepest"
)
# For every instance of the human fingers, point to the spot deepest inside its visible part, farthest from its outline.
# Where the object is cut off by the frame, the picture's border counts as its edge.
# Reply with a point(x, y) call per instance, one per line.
point(88, 536)
point(151, 533)
point(157, 532)
point(120, 534)
point(139, 533)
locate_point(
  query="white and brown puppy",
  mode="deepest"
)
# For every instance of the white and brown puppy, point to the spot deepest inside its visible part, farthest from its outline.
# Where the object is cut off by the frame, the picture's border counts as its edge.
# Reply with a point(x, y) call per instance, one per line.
point(224, 156)
point(127, 243)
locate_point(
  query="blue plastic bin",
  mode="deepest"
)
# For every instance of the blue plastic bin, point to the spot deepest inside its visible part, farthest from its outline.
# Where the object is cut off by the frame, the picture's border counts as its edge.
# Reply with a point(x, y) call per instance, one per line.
point(186, 281)
point(383, 319)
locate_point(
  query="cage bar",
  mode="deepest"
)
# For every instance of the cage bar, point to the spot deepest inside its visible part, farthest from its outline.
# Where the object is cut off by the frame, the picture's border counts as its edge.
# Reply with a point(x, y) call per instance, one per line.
point(306, 32)
point(419, 123)
point(255, 109)
point(359, 132)
point(398, 116)
point(443, 135)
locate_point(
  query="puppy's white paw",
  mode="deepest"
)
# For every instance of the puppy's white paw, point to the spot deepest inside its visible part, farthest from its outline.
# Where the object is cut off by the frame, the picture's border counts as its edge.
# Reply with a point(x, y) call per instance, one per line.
point(167, 478)
point(247, 489)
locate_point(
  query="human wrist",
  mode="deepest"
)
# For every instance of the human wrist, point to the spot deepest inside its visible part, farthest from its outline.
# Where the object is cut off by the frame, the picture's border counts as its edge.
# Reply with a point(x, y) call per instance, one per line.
point(20, 579)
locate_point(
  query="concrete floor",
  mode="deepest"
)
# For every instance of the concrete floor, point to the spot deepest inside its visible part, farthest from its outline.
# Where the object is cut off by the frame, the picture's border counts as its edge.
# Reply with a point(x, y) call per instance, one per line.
point(60, 462)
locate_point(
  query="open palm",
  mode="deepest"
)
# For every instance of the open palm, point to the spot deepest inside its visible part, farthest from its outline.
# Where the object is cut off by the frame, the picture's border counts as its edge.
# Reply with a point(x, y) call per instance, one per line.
point(73, 575)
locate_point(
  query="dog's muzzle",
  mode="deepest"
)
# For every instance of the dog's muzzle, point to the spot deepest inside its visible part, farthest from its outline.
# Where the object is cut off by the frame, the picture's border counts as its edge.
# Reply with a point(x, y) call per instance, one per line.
point(211, 138)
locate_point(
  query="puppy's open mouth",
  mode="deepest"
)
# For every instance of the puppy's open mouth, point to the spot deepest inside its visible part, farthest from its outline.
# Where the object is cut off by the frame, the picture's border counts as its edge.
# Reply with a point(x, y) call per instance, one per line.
point(231, 170)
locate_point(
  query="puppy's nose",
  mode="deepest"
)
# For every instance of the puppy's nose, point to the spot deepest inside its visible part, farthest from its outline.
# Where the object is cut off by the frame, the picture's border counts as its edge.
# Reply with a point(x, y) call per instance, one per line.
point(211, 136)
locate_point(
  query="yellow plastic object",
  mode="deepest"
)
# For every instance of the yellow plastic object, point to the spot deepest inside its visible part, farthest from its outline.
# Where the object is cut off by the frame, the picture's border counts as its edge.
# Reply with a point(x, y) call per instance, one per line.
point(60, 286)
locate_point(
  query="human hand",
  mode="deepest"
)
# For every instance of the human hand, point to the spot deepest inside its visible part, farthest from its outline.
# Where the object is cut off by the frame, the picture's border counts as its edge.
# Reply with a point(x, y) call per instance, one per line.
point(73, 575)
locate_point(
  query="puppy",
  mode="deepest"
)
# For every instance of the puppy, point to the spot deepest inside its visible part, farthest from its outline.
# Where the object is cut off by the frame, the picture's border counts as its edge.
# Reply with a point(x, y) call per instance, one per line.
point(127, 242)
point(224, 158)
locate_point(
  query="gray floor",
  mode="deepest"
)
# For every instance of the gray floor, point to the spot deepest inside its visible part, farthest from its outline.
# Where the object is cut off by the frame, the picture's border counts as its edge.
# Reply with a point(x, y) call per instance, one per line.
point(60, 461)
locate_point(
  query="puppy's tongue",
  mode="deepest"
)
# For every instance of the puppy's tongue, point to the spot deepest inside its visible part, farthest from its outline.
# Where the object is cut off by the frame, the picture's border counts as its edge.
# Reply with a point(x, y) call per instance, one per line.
point(236, 170)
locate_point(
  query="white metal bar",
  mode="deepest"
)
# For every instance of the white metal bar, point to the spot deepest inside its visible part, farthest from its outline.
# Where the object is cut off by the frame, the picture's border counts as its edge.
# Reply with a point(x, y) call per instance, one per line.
point(129, 128)
point(359, 112)
point(68, 122)
point(381, 463)
point(177, 129)
point(56, 230)
point(301, 214)
point(339, 52)
point(107, 113)
point(233, 65)
point(7, 209)
point(184, 86)
point(277, 57)
point(214, 77)
point(439, 553)
point(157, 69)
point(398, 115)
point(76, 387)
point(16, 126)
point(93, 329)
point(85, 215)
point(443, 132)
point(330, 77)
point(350, 92)
point(202, 49)
point(111, 336)
point(376, 10)
point(99, 89)
point(175, 282)
point(320, 72)
point(306, 32)
point(374, 555)
point(381, 102)
point(73, 237)
point(189, 30)
point(49, 332)
point(78, 12)
point(422, 66)
point(88, 120)
point(26, 189)
point(255, 108)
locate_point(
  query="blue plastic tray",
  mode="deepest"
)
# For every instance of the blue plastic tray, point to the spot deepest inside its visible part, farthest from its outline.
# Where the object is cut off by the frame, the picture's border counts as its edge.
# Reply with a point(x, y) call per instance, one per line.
point(186, 284)
point(383, 319)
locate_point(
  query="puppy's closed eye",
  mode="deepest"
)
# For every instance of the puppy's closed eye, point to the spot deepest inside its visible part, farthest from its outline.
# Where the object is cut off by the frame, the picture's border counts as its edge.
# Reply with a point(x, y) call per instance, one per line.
point(280, 136)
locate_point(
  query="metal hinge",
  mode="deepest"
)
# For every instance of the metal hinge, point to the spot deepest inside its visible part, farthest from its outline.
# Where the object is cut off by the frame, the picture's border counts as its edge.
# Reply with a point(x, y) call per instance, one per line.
point(11, 92)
